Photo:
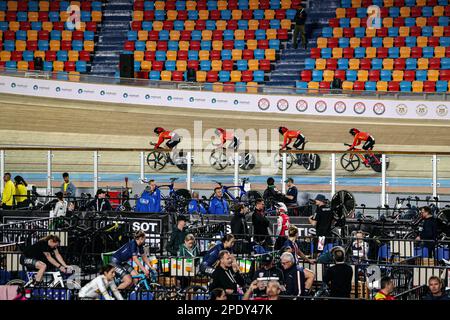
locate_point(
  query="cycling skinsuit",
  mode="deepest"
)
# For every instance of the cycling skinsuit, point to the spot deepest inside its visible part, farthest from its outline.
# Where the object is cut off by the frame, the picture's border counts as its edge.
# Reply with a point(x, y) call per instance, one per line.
point(173, 138)
point(363, 136)
point(293, 134)
point(121, 257)
point(97, 287)
point(228, 136)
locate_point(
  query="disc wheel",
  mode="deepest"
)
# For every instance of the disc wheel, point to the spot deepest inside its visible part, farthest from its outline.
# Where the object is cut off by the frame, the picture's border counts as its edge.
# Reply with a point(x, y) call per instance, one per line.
point(180, 160)
point(310, 161)
point(350, 162)
point(218, 159)
point(156, 160)
point(377, 167)
point(343, 204)
point(247, 161)
point(183, 197)
point(250, 197)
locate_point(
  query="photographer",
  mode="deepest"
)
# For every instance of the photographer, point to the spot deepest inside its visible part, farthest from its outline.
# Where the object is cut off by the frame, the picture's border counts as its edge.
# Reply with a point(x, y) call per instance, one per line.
point(322, 220)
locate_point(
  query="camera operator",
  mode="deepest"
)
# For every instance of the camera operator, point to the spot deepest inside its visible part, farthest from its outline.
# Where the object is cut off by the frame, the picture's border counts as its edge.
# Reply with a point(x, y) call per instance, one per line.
point(322, 220)
point(267, 272)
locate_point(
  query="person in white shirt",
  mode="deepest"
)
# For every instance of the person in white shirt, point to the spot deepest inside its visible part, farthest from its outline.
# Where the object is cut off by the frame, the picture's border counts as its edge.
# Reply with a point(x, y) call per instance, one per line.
point(100, 286)
point(360, 248)
point(60, 206)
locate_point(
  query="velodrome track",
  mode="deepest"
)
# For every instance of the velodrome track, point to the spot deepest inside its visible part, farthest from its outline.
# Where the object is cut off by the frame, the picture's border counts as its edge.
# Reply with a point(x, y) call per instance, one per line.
point(28, 121)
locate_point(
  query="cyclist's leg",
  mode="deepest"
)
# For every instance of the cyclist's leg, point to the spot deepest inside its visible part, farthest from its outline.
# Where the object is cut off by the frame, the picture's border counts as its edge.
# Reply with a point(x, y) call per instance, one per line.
point(121, 271)
point(234, 144)
point(368, 146)
point(300, 141)
point(41, 267)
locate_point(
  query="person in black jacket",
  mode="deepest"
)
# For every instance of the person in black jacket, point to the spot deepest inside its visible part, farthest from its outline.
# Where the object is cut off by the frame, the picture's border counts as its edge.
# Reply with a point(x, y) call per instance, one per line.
point(268, 271)
point(339, 276)
point(100, 203)
point(239, 227)
point(436, 293)
point(227, 275)
point(300, 20)
point(298, 280)
point(261, 225)
point(271, 194)
point(177, 236)
point(428, 235)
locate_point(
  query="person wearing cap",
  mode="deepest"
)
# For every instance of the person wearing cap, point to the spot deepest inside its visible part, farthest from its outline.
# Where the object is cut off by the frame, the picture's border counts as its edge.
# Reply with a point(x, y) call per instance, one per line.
point(339, 277)
point(283, 223)
point(100, 203)
point(322, 219)
point(177, 237)
point(268, 272)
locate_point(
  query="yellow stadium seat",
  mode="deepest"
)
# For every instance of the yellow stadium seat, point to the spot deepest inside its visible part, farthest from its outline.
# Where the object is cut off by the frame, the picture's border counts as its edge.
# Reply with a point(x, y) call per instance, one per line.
point(236, 54)
point(421, 21)
point(235, 76)
point(252, 44)
point(388, 42)
point(236, 14)
point(174, 35)
point(337, 53)
point(388, 64)
point(340, 13)
point(40, 54)
point(166, 75)
point(191, 5)
point(439, 52)
point(438, 31)
point(239, 34)
point(12, 5)
point(253, 5)
point(422, 63)
point(313, 85)
point(405, 12)
point(139, 56)
point(171, 55)
point(58, 66)
point(347, 85)
point(321, 64)
point(158, 25)
point(203, 55)
point(14, 25)
point(363, 75)
point(221, 25)
point(405, 52)
point(433, 75)
point(160, 5)
point(286, 4)
point(355, 22)
point(271, 34)
point(321, 42)
point(47, 26)
point(207, 35)
point(388, 22)
point(270, 54)
point(21, 45)
point(388, 3)
point(448, 87)
point(200, 76)
point(403, 31)
point(55, 45)
point(2, 15)
point(172, 15)
point(355, 42)
point(5, 56)
point(82, 26)
point(188, 25)
point(217, 45)
point(216, 65)
point(253, 25)
point(44, 6)
point(353, 64)
point(382, 86)
point(269, 14)
point(64, 15)
point(75, 3)
point(422, 41)
point(397, 75)
point(32, 35)
point(222, 5)
point(371, 52)
point(181, 65)
point(33, 17)
point(150, 45)
point(417, 86)
point(371, 32)
point(89, 45)
point(286, 24)
point(73, 55)
point(203, 14)
point(217, 87)
point(22, 65)
point(356, 3)
point(66, 35)
point(253, 65)
point(74, 76)
point(252, 87)
point(183, 45)
point(328, 75)
point(142, 35)
point(338, 32)
point(421, 3)
point(438, 11)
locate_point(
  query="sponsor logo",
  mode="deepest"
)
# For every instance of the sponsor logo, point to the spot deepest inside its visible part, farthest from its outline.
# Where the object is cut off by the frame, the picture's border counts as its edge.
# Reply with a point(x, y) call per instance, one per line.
point(340, 107)
point(379, 109)
point(213, 100)
point(263, 104)
point(147, 96)
point(282, 105)
point(191, 99)
point(58, 89)
point(102, 93)
point(169, 98)
point(321, 106)
point(133, 96)
point(441, 110)
point(236, 102)
point(301, 105)
point(156, 97)
point(401, 109)
point(13, 85)
point(244, 102)
point(125, 95)
point(178, 99)
point(80, 91)
point(421, 110)
point(35, 87)
point(359, 108)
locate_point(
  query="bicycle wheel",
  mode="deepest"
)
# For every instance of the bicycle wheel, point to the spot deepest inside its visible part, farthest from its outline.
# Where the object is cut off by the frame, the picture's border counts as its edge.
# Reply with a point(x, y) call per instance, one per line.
point(247, 161)
point(350, 162)
point(218, 159)
point(180, 160)
point(377, 167)
point(183, 197)
point(156, 160)
point(310, 161)
point(15, 282)
point(289, 161)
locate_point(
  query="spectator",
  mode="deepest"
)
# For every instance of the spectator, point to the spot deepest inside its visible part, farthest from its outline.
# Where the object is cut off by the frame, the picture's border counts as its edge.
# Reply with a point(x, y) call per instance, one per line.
point(195, 205)
point(218, 294)
point(21, 192)
point(9, 192)
point(100, 202)
point(300, 20)
point(177, 237)
point(218, 204)
point(283, 223)
point(261, 225)
point(68, 188)
point(60, 206)
point(360, 248)
point(291, 194)
point(387, 287)
point(322, 220)
point(268, 272)
point(189, 248)
point(150, 200)
point(212, 256)
point(293, 243)
point(436, 292)
point(227, 275)
point(298, 280)
point(272, 291)
point(271, 195)
point(238, 223)
point(429, 232)
point(339, 276)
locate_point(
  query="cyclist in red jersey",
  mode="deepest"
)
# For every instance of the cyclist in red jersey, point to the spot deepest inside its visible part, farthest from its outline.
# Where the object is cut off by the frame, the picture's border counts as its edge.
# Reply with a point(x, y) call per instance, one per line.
point(289, 135)
point(163, 134)
point(359, 137)
point(225, 136)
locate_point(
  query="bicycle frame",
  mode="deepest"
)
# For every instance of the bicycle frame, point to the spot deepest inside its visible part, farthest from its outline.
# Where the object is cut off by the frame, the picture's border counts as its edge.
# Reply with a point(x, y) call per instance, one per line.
point(230, 194)
point(369, 152)
point(57, 278)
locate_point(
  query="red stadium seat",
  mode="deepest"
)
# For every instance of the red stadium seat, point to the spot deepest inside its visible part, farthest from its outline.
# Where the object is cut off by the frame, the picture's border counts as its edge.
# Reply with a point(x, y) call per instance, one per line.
point(324, 85)
point(54, 6)
point(158, 65)
point(153, 35)
point(27, 25)
point(265, 4)
point(433, 41)
point(399, 22)
point(168, 25)
point(447, 11)
point(366, 42)
point(182, 55)
point(399, 3)
point(43, 16)
point(416, 12)
point(92, 26)
point(315, 53)
point(333, 43)
point(434, 64)
point(447, 31)
point(149, 15)
point(399, 41)
point(349, 32)
point(67, 45)
point(194, 45)
point(170, 5)
point(84, 56)
point(382, 53)
point(382, 32)
point(429, 86)
point(431, 3)
point(358, 86)
point(129, 46)
point(193, 64)
point(227, 65)
point(447, 52)
point(384, 12)
point(214, 15)
point(177, 75)
point(185, 35)
point(415, 31)
point(263, 44)
point(394, 86)
point(247, 54)
point(215, 55)
point(16, 56)
point(247, 14)
point(340, 74)
point(348, 53)
point(366, 3)
point(138, 6)
point(331, 64)
point(32, 45)
point(77, 35)
point(58, 26)
point(200, 25)
point(182, 15)
point(212, 76)
point(363, 21)
point(50, 56)
point(280, 14)
point(217, 35)
point(374, 75)
point(136, 25)
point(43, 35)
point(265, 24)
point(11, 16)
point(350, 12)
point(69, 66)
point(228, 45)
point(433, 21)
point(365, 64)
point(249, 35)
point(334, 22)
point(86, 6)
point(399, 64)
point(9, 35)
point(416, 52)
point(232, 25)
point(306, 75)
point(409, 75)
point(161, 46)
point(201, 5)
point(282, 34)
point(247, 76)
point(229, 87)
point(444, 75)
point(264, 65)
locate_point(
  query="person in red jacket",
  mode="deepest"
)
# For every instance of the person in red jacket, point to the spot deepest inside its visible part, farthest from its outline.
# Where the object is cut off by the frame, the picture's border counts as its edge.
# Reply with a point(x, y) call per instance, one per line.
point(283, 223)
point(227, 135)
point(163, 134)
point(360, 137)
point(289, 135)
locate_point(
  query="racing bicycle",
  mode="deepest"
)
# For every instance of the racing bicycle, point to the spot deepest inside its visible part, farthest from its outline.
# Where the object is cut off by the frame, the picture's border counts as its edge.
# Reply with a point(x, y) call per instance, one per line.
point(157, 160)
point(352, 161)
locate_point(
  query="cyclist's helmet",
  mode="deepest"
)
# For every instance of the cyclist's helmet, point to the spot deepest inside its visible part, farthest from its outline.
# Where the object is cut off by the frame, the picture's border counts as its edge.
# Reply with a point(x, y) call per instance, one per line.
point(354, 131)
point(281, 207)
point(282, 130)
point(219, 131)
point(158, 130)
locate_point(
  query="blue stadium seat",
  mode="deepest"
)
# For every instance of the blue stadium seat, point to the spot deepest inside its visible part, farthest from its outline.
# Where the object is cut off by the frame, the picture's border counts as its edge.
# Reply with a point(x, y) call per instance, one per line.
point(205, 45)
point(224, 76)
point(421, 75)
point(53, 16)
point(11, 65)
point(196, 35)
point(211, 4)
point(378, 3)
point(239, 44)
point(377, 42)
point(149, 5)
point(405, 86)
point(205, 65)
point(172, 45)
point(444, 41)
point(36, 26)
point(386, 75)
point(3, 6)
point(301, 86)
point(421, 252)
point(344, 22)
point(310, 64)
point(361, 12)
point(242, 24)
point(192, 55)
point(275, 4)
point(225, 14)
point(27, 56)
point(442, 253)
point(384, 252)
point(193, 15)
point(85, 16)
point(226, 54)
point(164, 35)
point(394, 52)
point(137, 66)
point(61, 55)
point(445, 63)
point(343, 64)
point(4, 26)
point(228, 35)
point(410, 41)
point(443, 2)
point(48, 66)
point(170, 65)
point(394, 12)
point(81, 66)
point(411, 64)
point(327, 32)
point(21, 35)
point(55, 35)
point(9, 45)
point(325, 53)
point(427, 31)
point(260, 34)
point(154, 75)
point(77, 45)
point(132, 35)
point(274, 44)
point(275, 24)
point(178, 25)
point(63, 5)
point(370, 86)
point(96, 6)
point(377, 64)
point(160, 15)
point(208, 86)
point(160, 55)
point(43, 45)
point(258, 76)
point(441, 86)
point(210, 25)
point(62, 75)
point(22, 16)
point(290, 14)
point(258, 14)
point(180, 5)
point(346, 3)
point(139, 45)
point(351, 75)
point(242, 5)
point(259, 54)
point(410, 22)
point(241, 87)
point(317, 75)
point(344, 42)
point(360, 32)
point(393, 32)
point(89, 36)
point(428, 52)
point(410, 3)
point(242, 65)
point(360, 53)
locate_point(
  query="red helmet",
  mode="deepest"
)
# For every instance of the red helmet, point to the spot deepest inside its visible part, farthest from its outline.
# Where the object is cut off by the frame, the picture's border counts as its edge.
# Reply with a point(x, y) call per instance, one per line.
point(219, 131)
point(354, 131)
point(158, 130)
point(282, 130)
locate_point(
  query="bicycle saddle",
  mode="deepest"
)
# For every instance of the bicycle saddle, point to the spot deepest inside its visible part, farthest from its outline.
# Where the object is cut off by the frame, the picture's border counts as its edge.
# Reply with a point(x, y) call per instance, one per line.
point(173, 179)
